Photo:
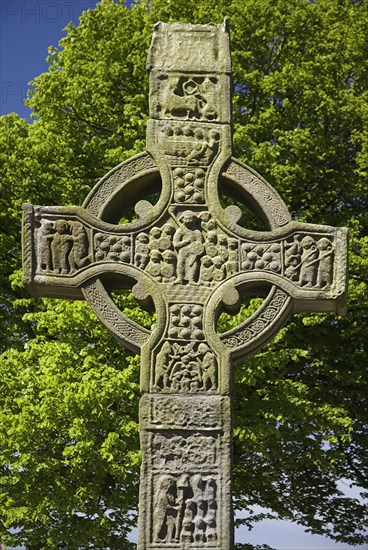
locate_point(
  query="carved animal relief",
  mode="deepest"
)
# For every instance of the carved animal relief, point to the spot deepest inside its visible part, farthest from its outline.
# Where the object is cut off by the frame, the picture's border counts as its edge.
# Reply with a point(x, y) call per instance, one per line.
point(190, 259)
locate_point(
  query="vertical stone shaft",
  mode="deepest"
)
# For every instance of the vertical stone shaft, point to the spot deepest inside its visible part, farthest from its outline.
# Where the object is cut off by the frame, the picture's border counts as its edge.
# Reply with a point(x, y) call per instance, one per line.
point(185, 412)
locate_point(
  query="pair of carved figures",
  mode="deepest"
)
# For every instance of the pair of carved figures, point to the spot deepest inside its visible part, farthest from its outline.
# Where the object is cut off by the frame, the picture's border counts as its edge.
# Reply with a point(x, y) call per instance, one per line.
point(310, 261)
point(63, 246)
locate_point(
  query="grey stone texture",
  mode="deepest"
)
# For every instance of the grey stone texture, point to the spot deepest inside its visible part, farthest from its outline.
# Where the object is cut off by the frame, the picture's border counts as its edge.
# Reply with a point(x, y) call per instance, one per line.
point(189, 258)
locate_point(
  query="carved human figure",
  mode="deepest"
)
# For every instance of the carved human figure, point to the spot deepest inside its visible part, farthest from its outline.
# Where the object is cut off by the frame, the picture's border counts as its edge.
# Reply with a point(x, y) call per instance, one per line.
point(142, 250)
point(165, 240)
point(206, 271)
point(325, 263)
point(219, 270)
point(61, 245)
point(166, 510)
point(231, 265)
point(78, 256)
point(188, 521)
point(185, 375)
point(163, 363)
point(208, 363)
point(309, 266)
point(222, 246)
point(199, 522)
point(204, 147)
point(209, 93)
point(210, 519)
point(43, 242)
point(154, 238)
point(293, 255)
point(211, 244)
point(154, 264)
point(184, 494)
point(168, 266)
point(188, 243)
point(211, 489)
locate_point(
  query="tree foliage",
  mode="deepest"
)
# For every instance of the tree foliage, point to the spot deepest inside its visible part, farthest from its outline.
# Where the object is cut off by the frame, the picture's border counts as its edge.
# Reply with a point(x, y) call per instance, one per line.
point(69, 447)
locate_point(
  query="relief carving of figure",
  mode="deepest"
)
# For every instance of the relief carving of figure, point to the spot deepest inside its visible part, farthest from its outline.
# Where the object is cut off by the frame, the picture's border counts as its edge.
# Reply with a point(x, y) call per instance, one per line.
point(188, 521)
point(154, 238)
point(163, 363)
point(222, 247)
point(166, 511)
point(186, 376)
point(293, 255)
point(309, 265)
point(325, 267)
point(78, 256)
point(204, 147)
point(154, 265)
point(211, 244)
point(210, 519)
point(168, 266)
point(43, 242)
point(61, 246)
point(142, 250)
point(209, 98)
point(188, 243)
point(232, 262)
point(166, 238)
point(219, 270)
point(199, 523)
point(206, 271)
point(209, 370)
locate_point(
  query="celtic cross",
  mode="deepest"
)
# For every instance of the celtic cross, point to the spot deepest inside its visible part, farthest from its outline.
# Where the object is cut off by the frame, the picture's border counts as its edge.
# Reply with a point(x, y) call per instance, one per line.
point(190, 258)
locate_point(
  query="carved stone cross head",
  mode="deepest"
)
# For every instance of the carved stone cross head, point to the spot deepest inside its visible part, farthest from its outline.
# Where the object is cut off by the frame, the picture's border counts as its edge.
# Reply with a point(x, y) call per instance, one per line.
point(189, 258)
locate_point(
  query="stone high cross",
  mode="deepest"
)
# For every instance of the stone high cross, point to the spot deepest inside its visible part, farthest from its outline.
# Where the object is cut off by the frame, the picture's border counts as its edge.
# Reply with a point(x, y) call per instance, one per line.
point(189, 258)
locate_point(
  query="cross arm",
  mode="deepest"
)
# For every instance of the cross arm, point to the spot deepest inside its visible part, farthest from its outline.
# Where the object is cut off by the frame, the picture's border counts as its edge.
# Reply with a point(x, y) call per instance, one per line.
point(63, 247)
point(308, 261)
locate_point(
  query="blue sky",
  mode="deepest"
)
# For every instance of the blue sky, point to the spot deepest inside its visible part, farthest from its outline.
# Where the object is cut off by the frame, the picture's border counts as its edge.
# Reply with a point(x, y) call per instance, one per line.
point(27, 29)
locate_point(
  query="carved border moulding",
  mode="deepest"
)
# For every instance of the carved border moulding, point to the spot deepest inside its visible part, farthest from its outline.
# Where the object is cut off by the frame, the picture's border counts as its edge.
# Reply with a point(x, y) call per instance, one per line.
point(189, 412)
point(188, 258)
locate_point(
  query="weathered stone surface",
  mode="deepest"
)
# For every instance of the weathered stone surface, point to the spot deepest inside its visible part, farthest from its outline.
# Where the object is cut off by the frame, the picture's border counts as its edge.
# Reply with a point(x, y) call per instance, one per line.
point(190, 258)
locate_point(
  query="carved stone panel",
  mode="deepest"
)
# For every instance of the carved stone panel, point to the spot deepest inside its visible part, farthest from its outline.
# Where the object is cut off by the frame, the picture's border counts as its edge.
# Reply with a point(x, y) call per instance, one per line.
point(185, 510)
point(189, 413)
